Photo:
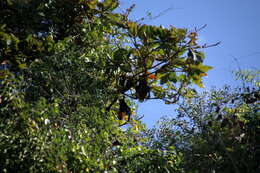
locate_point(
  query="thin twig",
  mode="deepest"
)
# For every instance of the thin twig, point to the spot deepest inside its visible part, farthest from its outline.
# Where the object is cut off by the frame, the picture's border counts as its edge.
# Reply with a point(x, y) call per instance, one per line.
point(211, 45)
point(199, 29)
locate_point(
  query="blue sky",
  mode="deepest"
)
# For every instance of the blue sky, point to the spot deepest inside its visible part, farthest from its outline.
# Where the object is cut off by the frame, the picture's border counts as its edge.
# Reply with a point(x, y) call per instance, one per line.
point(236, 23)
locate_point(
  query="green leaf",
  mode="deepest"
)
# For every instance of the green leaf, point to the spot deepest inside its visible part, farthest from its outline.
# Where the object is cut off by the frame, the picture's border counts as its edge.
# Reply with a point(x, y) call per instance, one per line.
point(158, 89)
point(110, 4)
point(173, 77)
point(197, 81)
point(229, 149)
point(149, 63)
point(201, 67)
point(126, 67)
point(200, 56)
point(142, 32)
point(179, 62)
point(120, 55)
point(22, 66)
point(133, 29)
point(164, 79)
point(92, 4)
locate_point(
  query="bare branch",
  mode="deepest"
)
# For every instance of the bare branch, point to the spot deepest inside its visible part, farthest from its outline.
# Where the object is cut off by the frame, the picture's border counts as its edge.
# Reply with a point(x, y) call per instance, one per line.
point(199, 29)
point(211, 45)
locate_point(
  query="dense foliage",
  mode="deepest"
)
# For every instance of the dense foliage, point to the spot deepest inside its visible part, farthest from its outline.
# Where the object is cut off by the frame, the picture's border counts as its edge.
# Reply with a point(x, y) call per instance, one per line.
point(217, 130)
point(70, 70)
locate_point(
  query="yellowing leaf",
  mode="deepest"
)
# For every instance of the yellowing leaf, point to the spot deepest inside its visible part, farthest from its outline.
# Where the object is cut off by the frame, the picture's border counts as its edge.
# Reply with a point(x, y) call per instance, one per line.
point(203, 74)
point(152, 76)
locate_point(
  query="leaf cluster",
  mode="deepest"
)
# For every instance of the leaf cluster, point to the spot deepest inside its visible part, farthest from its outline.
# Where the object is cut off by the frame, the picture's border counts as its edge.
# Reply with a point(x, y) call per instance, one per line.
point(215, 131)
point(63, 63)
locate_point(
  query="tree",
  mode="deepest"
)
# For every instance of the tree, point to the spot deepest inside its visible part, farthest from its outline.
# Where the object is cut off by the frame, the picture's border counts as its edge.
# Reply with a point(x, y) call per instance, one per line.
point(216, 130)
point(65, 66)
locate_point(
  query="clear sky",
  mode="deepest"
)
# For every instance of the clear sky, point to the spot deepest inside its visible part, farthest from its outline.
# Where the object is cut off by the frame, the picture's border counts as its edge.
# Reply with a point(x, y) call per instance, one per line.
point(236, 23)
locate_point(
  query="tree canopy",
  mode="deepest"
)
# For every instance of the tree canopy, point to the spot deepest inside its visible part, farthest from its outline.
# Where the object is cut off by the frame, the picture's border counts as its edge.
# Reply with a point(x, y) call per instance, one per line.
point(71, 71)
point(215, 131)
